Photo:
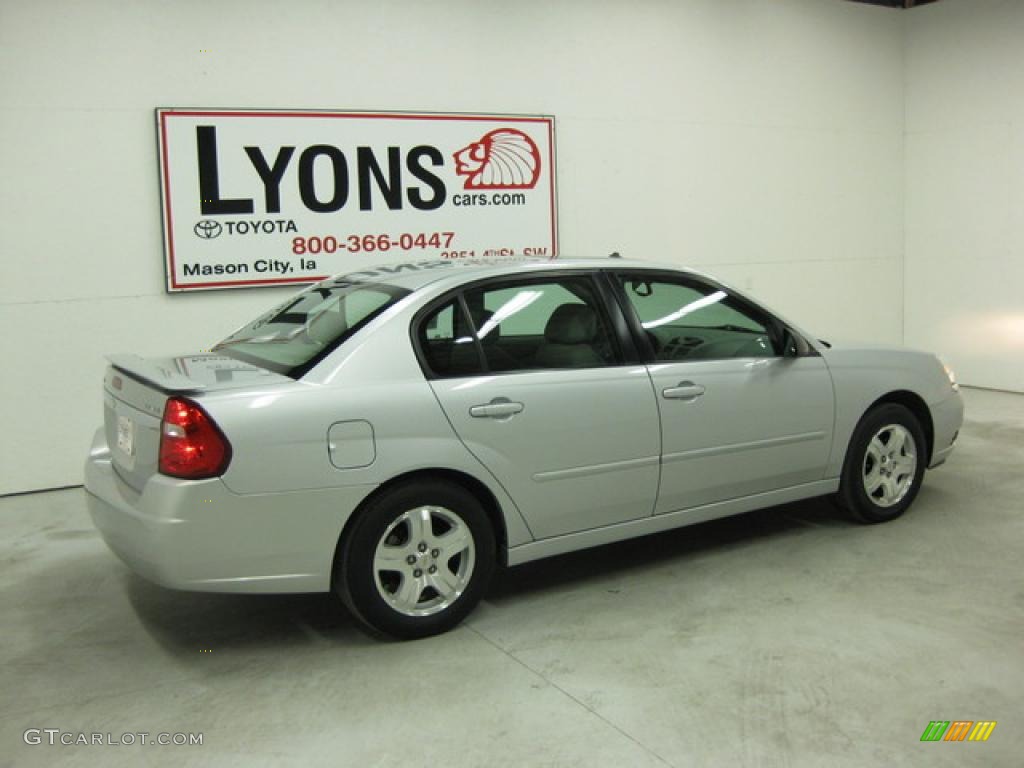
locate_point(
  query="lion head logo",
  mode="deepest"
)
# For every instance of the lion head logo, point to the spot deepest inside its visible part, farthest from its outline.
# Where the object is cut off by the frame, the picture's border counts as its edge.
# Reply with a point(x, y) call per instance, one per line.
point(502, 159)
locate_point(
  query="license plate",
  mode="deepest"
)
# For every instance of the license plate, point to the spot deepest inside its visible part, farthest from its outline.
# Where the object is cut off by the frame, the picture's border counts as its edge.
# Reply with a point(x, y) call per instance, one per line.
point(125, 434)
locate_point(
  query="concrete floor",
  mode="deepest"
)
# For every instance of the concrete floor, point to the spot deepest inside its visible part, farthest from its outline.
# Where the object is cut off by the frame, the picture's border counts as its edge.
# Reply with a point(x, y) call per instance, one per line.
point(787, 637)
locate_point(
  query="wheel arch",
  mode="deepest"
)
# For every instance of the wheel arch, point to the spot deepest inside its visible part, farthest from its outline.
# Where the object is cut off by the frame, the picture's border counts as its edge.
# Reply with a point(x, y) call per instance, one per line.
point(462, 479)
point(917, 406)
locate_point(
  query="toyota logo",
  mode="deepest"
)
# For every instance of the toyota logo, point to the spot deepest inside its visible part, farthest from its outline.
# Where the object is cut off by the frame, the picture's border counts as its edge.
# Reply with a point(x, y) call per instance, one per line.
point(207, 229)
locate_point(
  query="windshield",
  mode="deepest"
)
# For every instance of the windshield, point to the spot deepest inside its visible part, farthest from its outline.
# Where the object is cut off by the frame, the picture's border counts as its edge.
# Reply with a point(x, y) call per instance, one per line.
point(293, 337)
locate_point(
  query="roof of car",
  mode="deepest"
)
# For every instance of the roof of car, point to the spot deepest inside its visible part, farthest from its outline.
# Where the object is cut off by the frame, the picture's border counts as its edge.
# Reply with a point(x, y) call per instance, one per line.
point(415, 275)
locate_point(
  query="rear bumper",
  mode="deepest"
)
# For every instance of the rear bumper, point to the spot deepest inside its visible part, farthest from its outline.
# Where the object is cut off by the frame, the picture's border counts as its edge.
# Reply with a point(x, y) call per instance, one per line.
point(947, 418)
point(199, 535)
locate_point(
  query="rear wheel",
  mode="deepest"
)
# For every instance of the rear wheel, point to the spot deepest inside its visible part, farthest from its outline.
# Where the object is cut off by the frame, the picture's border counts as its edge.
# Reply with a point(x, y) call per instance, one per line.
point(417, 559)
point(884, 465)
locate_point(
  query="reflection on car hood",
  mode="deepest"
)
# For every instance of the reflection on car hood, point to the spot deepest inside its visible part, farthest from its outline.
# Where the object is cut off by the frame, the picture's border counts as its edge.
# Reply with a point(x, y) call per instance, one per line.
point(850, 345)
point(859, 354)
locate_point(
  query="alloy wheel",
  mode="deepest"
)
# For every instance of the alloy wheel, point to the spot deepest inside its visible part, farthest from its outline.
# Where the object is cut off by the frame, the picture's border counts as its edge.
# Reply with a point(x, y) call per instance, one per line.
point(424, 561)
point(890, 464)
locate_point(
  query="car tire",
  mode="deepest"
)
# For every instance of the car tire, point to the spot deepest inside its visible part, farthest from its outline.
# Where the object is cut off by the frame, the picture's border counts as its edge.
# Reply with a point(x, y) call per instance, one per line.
point(416, 560)
point(884, 465)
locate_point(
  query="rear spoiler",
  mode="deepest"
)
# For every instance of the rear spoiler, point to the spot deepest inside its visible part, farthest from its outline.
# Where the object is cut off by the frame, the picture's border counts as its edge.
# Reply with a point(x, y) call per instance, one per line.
point(154, 373)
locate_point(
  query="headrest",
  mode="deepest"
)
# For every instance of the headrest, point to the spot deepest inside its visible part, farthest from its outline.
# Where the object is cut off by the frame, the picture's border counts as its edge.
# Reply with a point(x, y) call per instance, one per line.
point(571, 324)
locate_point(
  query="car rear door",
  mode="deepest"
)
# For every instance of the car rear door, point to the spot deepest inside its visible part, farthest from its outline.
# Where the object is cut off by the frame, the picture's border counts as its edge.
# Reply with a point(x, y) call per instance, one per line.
point(533, 378)
point(737, 416)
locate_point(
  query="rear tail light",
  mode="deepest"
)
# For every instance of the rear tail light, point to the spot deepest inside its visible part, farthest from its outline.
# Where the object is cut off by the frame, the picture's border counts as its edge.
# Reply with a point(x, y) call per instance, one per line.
point(191, 444)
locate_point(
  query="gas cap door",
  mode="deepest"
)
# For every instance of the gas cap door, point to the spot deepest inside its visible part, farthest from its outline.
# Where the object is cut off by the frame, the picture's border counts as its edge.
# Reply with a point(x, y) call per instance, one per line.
point(350, 444)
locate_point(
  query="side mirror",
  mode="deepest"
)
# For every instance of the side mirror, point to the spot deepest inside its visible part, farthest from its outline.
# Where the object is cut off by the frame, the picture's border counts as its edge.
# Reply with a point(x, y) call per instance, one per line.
point(784, 340)
point(790, 346)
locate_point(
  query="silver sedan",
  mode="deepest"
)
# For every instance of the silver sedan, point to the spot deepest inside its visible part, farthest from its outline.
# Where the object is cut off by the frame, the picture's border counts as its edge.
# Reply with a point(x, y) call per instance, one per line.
point(392, 435)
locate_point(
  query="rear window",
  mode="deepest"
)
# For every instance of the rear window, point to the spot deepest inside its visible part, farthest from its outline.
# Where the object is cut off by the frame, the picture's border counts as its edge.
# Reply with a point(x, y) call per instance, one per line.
point(295, 336)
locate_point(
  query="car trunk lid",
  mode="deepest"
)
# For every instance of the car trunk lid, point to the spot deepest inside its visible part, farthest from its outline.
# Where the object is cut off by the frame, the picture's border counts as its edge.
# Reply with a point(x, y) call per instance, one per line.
point(135, 391)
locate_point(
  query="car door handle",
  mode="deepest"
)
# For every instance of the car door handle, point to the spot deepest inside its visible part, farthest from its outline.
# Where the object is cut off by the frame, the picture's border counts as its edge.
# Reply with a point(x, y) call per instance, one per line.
point(498, 408)
point(685, 390)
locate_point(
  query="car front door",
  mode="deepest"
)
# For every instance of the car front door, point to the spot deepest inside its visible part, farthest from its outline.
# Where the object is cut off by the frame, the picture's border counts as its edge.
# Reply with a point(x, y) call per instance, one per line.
point(533, 379)
point(739, 415)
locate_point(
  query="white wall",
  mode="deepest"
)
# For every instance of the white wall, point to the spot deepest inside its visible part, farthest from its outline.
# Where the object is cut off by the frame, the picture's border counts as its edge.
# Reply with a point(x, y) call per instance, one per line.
point(758, 139)
point(965, 187)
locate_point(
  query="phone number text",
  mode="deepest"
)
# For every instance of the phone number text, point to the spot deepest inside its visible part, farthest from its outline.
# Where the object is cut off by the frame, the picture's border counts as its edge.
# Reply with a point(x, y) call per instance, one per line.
point(371, 243)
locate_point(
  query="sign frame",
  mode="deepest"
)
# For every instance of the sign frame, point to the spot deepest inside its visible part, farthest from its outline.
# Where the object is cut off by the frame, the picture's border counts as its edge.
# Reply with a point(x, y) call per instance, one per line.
point(167, 215)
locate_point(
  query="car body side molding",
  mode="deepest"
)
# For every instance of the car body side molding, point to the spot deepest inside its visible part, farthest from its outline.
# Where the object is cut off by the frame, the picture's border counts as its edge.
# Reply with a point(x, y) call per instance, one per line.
point(718, 450)
point(658, 523)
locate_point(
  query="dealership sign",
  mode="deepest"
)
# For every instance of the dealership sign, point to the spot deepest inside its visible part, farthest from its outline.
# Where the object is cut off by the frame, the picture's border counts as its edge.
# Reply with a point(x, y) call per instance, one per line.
point(274, 197)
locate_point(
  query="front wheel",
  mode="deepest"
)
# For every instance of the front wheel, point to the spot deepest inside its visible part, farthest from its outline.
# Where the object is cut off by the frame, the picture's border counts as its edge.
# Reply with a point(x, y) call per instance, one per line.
point(417, 559)
point(884, 465)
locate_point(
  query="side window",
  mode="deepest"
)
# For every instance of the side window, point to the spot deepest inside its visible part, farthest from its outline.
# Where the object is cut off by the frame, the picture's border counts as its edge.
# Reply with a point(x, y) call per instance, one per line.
point(448, 344)
point(537, 325)
point(687, 320)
